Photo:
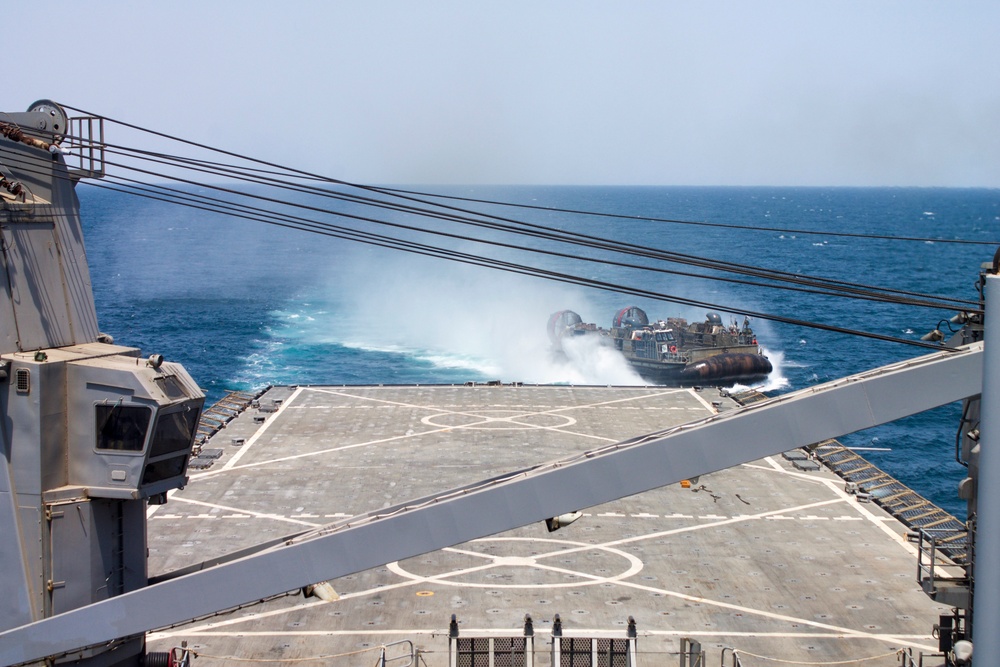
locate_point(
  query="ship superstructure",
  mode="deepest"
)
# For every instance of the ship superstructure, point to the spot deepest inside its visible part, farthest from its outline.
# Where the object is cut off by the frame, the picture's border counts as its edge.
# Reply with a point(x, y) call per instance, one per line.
point(93, 432)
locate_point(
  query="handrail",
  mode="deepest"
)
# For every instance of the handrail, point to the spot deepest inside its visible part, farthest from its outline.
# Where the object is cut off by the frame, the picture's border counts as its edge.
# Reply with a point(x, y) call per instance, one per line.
point(383, 661)
point(84, 147)
point(736, 657)
point(928, 569)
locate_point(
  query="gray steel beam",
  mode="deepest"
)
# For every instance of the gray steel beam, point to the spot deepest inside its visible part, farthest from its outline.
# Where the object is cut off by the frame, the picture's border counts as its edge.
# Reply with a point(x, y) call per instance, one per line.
point(986, 569)
point(16, 604)
point(528, 496)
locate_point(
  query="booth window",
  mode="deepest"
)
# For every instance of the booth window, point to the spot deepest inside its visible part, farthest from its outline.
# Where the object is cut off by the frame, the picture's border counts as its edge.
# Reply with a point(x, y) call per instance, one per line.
point(174, 432)
point(165, 469)
point(122, 427)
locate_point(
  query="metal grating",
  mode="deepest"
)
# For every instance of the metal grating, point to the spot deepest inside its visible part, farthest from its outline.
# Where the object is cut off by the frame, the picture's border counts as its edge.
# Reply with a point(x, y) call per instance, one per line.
point(200, 463)
point(909, 507)
point(491, 652)
point(576, 652)
point(613, 652)
point(906, 505)
point(472, 652)
point(509, 652)
point(224, 411)
point(748, 396)
point(22, 380)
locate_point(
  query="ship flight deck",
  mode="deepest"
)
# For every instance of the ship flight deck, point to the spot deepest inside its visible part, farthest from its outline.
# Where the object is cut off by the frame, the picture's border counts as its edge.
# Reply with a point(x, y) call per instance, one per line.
point(771, 558)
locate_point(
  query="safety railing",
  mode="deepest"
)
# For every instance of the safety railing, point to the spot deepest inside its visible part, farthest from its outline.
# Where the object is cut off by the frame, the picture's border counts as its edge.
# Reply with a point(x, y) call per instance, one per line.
point(83, 147)
point(935, 569)
point(396, 660)
point(734, 658)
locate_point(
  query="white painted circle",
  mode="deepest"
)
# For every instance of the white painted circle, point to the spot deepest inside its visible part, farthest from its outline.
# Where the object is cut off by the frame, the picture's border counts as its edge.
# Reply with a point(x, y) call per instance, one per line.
point(497, 420)
point(635, 566)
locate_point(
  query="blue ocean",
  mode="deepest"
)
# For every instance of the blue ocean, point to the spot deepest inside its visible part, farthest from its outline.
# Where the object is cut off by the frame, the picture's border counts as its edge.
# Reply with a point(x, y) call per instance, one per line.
point(243, 304)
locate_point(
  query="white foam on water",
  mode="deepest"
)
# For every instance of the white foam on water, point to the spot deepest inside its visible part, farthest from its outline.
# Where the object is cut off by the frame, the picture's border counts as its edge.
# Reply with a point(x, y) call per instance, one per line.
point(456, 317)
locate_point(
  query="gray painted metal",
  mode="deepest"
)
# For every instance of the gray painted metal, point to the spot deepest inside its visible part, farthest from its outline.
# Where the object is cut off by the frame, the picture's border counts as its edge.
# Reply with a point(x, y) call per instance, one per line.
point(517, 499)
point(72, 514)
point(16, 602)
point(47, 301)
point(986, 587)
point(72, 495)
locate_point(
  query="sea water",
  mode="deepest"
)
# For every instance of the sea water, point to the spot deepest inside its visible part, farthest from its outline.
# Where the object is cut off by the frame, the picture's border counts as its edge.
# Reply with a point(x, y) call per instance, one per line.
point(244, 305)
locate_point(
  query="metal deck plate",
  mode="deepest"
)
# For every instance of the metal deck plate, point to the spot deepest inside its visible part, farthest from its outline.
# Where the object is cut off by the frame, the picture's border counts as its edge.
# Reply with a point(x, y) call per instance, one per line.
point(765, 558)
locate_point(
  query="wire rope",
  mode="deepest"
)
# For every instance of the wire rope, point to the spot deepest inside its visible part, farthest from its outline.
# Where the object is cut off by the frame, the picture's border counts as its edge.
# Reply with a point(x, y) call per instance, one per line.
point(863, 291)
point(822, 286)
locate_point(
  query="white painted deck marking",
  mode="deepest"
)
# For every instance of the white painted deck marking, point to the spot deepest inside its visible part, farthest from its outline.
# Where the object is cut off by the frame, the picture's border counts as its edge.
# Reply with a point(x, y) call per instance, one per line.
point(288, 403)
point(262, 430)
point(260, 515)
point(587, 579)
point(884, 523)
point(835, 631)
point(708, 406)
point(534, 561)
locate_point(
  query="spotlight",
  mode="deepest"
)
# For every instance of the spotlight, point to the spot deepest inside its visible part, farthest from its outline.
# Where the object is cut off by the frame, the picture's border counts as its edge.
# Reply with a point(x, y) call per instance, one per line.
point(962, 652)
point(557, 522)
point(323, 590)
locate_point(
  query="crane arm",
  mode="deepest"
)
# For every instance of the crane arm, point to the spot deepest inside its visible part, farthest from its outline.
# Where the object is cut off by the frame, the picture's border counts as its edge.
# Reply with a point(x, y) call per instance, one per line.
point(517, 499)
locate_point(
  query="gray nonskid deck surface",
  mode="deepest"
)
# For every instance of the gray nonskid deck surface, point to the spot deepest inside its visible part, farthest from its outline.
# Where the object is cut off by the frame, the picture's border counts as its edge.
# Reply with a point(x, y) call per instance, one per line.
point(764, 558)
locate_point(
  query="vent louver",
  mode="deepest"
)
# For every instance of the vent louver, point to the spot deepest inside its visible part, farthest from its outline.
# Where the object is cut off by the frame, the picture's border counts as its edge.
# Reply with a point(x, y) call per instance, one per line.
point(22, 380)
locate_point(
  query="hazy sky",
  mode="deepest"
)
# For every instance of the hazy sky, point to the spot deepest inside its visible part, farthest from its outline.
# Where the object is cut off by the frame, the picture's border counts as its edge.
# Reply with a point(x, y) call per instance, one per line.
point(772, 92)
